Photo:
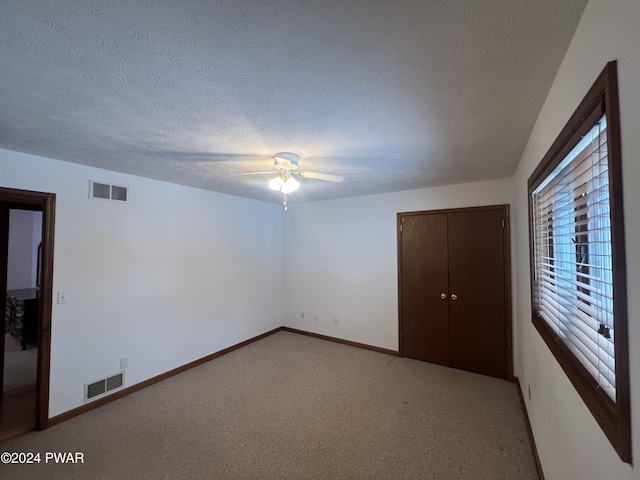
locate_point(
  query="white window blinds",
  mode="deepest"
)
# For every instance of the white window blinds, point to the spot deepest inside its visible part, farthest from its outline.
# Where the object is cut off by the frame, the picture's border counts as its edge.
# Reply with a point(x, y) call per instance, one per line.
point(573, 279)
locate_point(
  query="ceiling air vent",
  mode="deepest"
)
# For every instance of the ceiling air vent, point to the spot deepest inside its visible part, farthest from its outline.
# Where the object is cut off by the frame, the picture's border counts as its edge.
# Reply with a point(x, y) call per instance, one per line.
point(107, 191)
point(100, 387)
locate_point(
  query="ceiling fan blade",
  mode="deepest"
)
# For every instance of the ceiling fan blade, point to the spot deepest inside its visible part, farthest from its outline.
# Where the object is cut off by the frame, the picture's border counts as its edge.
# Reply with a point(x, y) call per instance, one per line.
point(322, 176)
point(252, 173)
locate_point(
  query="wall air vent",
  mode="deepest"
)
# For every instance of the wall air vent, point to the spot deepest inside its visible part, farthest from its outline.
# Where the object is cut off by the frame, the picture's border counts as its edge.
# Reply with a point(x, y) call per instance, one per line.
point(96, 388)
point(100, 387)
point(107, 191)
point(114, 382)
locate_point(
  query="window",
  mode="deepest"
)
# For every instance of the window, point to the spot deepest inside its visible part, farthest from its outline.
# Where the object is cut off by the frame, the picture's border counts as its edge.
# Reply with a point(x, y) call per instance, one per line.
point(578, 281)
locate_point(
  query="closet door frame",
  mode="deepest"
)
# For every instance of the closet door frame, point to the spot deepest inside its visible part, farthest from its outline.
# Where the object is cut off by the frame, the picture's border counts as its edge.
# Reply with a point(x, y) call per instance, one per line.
point(507, 274)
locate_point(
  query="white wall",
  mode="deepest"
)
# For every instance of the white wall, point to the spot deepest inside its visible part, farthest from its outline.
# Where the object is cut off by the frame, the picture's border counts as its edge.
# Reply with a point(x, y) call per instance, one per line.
point(570, 443)
point(25, 232)
point(341, 258)
point(35, 243)
point(173, 275)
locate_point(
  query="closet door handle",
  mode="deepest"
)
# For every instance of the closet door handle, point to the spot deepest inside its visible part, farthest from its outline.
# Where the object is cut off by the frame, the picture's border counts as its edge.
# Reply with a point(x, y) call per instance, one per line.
point(454, 296)
point(443, 296)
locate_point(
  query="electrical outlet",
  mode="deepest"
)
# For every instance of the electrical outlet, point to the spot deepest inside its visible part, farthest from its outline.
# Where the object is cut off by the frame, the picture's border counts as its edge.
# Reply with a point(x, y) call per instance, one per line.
point(63, 297)
point(335, 320)
point(529, 391)
point(124, 363)
point(301, 314)
point(315, 317)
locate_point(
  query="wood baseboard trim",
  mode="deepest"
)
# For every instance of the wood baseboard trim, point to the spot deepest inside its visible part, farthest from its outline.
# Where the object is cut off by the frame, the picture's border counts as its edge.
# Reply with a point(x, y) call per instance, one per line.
point(63, 417)
point(533, 440)
point(340, 340)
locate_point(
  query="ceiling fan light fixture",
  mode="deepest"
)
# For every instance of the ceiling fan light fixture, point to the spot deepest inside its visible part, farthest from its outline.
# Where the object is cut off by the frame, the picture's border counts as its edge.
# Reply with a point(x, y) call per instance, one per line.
point(284, 184)
point(290, 185)
point(276, 183)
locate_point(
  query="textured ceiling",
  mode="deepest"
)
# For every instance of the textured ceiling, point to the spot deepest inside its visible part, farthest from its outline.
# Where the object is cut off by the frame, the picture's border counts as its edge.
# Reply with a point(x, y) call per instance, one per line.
point(390, 95)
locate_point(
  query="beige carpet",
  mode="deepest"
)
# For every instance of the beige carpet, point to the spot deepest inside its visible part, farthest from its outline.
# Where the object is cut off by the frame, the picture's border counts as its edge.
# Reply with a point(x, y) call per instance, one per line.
point(290, 406)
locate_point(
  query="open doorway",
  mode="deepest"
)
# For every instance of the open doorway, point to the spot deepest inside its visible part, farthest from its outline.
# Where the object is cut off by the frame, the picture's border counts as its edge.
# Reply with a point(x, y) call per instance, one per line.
point(19, 374)
point(26, 273)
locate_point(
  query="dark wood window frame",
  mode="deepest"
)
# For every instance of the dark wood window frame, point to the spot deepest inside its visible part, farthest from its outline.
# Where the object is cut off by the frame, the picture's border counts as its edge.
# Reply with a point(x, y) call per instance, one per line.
point(613, 416)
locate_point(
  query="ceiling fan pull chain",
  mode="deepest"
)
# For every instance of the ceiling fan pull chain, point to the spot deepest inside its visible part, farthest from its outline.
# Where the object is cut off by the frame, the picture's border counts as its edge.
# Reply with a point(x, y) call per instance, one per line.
point(285, 201)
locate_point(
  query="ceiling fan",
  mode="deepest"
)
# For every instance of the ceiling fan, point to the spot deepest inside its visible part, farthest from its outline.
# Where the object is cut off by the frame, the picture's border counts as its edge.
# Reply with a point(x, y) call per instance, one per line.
point(286, 166)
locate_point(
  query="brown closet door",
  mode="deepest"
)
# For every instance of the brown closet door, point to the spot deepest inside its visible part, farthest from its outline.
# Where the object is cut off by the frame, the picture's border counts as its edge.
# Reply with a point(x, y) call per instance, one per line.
point(425, 323)
point(477, 317)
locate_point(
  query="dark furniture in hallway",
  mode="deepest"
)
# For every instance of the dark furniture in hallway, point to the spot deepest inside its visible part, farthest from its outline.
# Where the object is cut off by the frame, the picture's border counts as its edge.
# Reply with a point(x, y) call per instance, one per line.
point(21, 319)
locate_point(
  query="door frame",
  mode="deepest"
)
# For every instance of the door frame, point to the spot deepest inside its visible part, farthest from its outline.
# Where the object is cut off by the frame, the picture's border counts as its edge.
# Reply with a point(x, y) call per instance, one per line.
point(504, 208)
point(11, 198)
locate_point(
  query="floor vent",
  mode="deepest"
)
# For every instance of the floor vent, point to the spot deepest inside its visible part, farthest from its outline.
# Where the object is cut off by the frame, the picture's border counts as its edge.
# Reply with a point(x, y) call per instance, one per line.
point(106, 191)
point(96, 389)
